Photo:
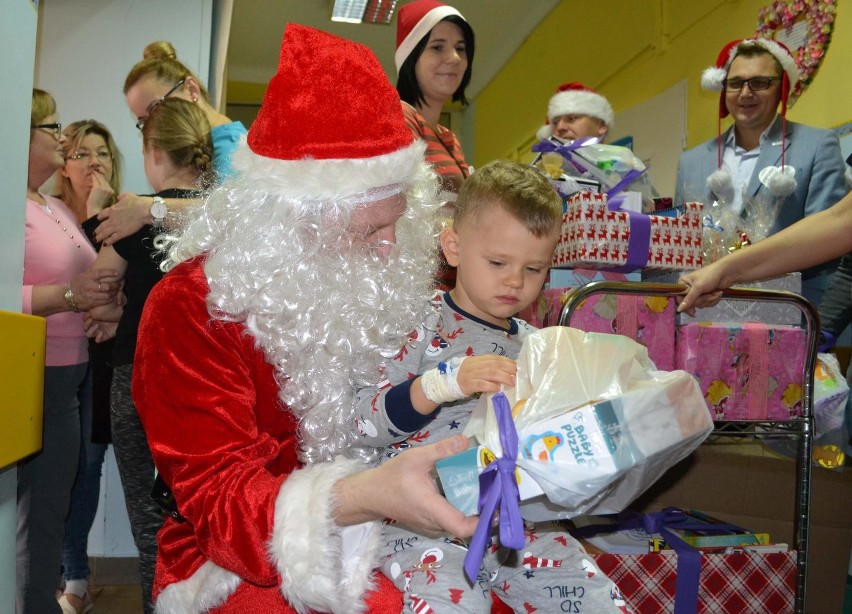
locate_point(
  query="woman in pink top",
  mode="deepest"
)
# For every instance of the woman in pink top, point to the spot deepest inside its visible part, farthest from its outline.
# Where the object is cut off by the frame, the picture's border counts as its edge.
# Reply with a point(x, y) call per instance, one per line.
point(58, 285)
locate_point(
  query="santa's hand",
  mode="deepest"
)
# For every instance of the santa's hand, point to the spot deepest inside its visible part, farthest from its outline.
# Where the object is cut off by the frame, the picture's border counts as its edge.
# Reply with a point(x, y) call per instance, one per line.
point(403, 490)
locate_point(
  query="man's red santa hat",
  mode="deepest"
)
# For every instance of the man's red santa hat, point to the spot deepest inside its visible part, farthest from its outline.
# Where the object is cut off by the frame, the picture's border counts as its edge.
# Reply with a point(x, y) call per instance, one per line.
point(576, 99)
point(414, 21)
point(780, 181)
point(319, 138)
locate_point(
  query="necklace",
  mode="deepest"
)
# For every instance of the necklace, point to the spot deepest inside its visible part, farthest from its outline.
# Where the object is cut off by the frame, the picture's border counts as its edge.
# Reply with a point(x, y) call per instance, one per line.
point(49, 211)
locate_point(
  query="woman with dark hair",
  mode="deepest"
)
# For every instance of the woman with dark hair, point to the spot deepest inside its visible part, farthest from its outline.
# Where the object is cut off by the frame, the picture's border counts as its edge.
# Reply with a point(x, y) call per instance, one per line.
point(433, 57)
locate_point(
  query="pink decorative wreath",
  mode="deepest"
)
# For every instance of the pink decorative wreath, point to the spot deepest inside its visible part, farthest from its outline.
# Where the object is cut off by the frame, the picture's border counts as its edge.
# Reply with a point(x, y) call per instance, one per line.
point(779, 18)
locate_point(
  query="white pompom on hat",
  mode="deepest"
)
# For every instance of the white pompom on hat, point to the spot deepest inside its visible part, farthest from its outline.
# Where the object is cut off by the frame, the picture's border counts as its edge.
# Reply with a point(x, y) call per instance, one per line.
point(414, 21)
point(576, 99)
point(781, 183)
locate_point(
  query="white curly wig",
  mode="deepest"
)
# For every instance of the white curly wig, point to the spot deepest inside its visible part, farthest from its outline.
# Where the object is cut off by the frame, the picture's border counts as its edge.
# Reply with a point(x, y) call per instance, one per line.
point(325, 310)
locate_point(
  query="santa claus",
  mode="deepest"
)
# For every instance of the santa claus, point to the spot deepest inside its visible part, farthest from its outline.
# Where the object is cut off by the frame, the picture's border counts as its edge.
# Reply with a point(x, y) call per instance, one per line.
point(286, 291)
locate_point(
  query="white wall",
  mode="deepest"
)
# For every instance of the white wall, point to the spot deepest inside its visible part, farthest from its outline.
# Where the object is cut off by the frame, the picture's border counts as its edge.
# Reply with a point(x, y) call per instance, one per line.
point(85, 50)
point(18, 32)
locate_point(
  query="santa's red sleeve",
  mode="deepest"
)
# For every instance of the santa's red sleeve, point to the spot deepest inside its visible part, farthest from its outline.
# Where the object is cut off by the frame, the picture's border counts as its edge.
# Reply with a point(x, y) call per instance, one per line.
point(222, 440)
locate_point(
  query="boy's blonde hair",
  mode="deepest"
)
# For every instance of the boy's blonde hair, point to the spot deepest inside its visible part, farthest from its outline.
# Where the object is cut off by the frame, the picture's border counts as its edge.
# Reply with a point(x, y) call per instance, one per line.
point(521, 190)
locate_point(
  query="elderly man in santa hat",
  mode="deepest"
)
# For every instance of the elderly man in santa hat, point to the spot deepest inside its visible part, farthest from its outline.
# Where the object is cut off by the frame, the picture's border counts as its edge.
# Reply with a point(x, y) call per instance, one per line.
point(763, 158)
point(295, 280)
point(575, 112)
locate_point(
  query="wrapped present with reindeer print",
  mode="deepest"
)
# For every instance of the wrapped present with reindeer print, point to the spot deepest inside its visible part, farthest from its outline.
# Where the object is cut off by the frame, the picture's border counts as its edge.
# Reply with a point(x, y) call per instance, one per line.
point(598, 234)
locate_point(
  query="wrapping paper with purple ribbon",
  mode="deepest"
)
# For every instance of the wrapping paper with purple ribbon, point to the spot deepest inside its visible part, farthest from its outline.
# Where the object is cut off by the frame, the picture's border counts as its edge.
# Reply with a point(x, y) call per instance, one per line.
point(688, 558)
point(498, 486)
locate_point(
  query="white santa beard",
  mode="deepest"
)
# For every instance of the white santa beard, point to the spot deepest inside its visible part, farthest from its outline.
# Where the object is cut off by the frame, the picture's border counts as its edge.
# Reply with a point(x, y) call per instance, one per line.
point(323, 315)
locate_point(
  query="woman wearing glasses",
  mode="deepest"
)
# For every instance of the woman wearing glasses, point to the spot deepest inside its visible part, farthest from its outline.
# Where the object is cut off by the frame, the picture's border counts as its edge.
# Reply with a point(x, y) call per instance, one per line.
point(59, 283)
point(91, 177)
point(178, 163)
point(159, 77)
point(90, 180)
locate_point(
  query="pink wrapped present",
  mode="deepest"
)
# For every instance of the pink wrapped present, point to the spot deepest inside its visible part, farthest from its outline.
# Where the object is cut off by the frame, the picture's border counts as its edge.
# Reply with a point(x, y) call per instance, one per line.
point(746, 371)
point(596, 236)
point(646, 319)
point(547, 307)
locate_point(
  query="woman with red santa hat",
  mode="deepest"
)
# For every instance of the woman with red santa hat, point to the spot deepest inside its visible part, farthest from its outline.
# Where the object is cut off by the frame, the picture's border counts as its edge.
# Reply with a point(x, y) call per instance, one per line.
point(434, 59)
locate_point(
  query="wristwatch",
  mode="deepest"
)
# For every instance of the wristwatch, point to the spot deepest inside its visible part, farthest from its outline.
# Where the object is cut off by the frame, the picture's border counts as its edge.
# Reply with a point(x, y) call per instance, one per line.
point(158, 211)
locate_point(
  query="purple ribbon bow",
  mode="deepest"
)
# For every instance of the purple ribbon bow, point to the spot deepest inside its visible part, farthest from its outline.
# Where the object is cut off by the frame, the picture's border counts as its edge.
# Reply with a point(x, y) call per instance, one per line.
point(497, 484)
point(688, 558)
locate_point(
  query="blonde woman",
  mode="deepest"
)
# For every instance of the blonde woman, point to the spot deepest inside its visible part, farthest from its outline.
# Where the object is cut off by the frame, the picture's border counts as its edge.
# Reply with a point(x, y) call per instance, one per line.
point(151, 81)
point(178, 156)
point(89, 181)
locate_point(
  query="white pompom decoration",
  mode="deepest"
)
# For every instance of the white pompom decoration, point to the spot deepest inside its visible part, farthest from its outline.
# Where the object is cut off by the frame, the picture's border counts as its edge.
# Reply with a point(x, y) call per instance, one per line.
point(721, 183)
point(713, 79)
point(780, 181)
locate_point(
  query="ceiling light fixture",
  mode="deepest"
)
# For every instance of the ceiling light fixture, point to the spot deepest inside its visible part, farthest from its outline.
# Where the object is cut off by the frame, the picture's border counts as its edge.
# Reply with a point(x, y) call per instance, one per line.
point(363, 11)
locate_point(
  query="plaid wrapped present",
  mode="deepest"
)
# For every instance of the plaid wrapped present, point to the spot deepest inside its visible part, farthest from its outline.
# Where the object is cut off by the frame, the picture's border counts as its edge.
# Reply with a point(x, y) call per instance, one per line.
point(750, 583)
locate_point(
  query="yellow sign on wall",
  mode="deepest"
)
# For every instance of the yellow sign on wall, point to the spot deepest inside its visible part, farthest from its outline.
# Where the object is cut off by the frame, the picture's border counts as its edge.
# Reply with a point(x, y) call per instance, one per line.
point(22, 339)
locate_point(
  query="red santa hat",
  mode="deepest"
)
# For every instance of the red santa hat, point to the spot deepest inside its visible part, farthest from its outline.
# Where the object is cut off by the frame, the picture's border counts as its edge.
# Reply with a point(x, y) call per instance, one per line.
point(782, 182)
point(416, 20)
point(330, 125)
point(576, 99)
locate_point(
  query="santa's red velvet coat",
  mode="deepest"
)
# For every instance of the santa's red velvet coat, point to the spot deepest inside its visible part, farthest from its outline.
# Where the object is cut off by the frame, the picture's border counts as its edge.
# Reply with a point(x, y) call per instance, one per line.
point(258, 535)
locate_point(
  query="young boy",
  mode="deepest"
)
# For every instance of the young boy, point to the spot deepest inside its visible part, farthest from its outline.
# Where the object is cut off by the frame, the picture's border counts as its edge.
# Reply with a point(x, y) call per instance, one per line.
point(505, 228)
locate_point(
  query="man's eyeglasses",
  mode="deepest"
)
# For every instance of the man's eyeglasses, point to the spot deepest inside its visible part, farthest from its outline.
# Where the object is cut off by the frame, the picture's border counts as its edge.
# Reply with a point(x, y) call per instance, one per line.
point(141, 123)
point(54, 129)
point(755, 84)
point(103, 156)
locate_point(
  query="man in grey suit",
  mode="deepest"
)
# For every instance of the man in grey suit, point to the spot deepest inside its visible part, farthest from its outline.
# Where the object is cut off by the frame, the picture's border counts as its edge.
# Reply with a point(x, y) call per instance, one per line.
point(763, 157)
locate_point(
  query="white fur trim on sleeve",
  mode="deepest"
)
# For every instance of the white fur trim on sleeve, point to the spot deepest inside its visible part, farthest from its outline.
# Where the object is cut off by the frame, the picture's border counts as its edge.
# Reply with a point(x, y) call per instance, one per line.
point(207, 588)
point(307, 545)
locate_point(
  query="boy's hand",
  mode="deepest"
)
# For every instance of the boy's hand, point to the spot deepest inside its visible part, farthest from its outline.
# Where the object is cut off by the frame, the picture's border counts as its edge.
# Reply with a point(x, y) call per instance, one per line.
point(486, 373)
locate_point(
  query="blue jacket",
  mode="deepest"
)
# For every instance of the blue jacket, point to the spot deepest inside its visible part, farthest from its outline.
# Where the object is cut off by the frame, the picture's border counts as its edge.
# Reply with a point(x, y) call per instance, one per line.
point(813, 152)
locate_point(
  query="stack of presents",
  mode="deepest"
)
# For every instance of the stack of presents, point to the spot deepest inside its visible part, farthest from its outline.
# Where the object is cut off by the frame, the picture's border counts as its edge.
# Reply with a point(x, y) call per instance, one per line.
point(744, 360)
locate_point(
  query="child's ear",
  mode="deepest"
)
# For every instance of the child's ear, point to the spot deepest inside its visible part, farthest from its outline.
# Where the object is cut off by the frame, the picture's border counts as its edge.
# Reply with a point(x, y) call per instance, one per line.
point(450, 244)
